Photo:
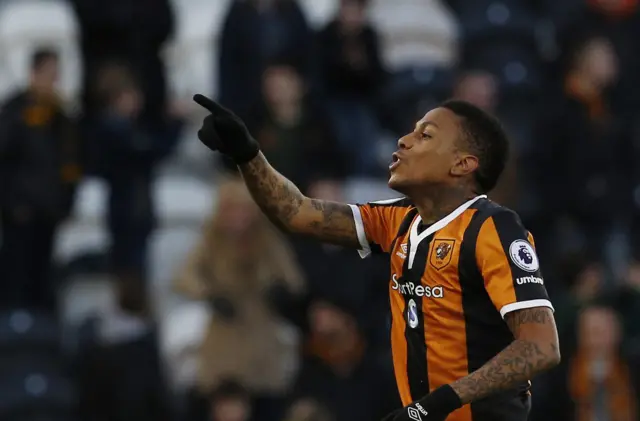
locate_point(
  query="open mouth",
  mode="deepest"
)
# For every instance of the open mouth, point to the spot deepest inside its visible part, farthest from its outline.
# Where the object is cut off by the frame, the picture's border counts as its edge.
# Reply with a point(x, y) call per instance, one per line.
point(395, 161)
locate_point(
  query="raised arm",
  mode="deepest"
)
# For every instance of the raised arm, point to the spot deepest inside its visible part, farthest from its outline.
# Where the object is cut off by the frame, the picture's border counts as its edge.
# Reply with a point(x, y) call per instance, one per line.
point(279, 198)
point(289, 209)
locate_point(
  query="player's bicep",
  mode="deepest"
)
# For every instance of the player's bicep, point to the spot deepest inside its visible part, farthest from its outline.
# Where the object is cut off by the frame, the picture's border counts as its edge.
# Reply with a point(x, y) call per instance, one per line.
point(327, 221)
point(509, 265)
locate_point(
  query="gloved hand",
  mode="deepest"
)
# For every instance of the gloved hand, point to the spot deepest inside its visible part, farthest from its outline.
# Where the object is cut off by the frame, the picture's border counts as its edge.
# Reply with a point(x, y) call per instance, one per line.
point(436, 406)
point(225, 132)
point(392, 415)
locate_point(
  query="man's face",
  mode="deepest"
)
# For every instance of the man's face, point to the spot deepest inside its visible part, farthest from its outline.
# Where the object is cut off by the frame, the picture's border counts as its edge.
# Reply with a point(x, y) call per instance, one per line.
point(429, 155)
point(45, 77)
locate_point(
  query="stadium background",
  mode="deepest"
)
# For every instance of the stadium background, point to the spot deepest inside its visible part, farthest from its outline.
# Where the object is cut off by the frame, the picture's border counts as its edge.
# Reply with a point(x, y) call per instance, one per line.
point(169, 298)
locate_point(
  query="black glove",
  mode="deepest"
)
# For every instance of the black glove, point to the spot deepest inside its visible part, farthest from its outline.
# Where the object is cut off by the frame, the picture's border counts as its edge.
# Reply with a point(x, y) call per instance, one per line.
point(225, 132)
point(436, 406)
point(223, 308)
point(391, 416)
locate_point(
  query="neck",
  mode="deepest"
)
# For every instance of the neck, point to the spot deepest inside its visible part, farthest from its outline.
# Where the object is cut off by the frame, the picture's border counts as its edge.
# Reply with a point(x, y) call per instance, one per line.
point(436, 203)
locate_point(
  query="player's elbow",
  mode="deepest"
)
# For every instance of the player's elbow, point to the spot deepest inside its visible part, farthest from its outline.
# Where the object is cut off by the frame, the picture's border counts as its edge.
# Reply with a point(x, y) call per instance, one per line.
point(556, 357)
point(552, 355)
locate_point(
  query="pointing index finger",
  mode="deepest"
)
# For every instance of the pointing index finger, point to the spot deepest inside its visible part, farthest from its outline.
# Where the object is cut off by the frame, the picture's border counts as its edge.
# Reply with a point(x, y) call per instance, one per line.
point(208, 103)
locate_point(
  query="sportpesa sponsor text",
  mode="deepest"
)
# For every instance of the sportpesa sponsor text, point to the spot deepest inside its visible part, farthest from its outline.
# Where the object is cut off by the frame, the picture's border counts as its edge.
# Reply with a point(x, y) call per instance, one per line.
point(409, 288)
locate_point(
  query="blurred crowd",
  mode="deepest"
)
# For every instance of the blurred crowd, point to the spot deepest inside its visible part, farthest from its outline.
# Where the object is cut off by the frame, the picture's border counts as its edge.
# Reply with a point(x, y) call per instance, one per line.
point(298, 331)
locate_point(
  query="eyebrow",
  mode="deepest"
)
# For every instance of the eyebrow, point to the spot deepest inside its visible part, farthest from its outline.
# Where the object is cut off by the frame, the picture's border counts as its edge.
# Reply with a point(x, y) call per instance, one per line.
point(426, 123)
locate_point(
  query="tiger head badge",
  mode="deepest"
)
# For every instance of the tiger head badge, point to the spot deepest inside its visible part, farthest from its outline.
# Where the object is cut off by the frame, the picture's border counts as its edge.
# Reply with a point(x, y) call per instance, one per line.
point(441, 255)
point(442, 250)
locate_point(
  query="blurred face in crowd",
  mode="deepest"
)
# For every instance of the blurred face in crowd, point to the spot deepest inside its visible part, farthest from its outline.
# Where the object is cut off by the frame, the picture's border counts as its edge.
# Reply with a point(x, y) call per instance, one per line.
point(230, 409)
point(599, 331)
point(45, 75)
point(328, 321)
point(306, 410)
point(431, 155)
point(478, 88)
point(352, 15)
point(598, 62)
point(282, 86)
point(588, 282)
point(129, 102)
point(237, 213)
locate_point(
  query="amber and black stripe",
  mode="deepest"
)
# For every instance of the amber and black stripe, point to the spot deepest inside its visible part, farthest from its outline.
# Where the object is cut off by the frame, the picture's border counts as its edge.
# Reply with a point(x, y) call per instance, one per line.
point(482, 319)
point(417, 370)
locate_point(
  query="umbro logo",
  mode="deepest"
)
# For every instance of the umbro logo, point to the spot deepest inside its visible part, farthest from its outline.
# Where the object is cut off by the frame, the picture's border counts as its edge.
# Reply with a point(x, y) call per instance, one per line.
point(403, 253)
point(414, 413)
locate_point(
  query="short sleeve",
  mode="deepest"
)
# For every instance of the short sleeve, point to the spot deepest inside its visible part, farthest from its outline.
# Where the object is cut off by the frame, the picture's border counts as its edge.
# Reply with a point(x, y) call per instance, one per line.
point(506, 257)
point(377, 224)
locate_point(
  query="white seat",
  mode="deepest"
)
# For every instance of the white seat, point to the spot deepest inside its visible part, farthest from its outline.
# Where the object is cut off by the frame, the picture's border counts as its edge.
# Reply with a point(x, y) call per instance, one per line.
point(192, 55)
point(29, 24)
point(180, 202)
point(421, 32)
point(319, 12)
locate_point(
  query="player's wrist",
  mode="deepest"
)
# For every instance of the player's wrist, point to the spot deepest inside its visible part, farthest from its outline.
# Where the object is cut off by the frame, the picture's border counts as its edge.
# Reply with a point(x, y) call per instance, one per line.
point(443, 400)
point(249, 150)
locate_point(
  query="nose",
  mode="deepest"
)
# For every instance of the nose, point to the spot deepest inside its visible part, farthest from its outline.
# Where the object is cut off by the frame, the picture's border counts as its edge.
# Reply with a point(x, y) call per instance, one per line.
point(403, 142)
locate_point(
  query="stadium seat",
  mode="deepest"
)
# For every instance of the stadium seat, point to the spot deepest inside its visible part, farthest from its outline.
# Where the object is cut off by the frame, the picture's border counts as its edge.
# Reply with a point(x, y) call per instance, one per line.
point(420, 33)
point(192, 55)
point(29, 24)
point(32, 392)
point(319, 12)
point(23, 330)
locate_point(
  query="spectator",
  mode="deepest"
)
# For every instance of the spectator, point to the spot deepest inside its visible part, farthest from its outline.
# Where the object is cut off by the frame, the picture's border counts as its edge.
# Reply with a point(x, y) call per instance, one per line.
point(113, 32)
point(291, 129)
point(361, 284)
point(599, 381)
point(249, 276)
point(39, 171)
point(627, 301)
point(619, 22)
point(126, 153)
point(119, 369)
point(338, 370)
point(255, 32)
point(352, 74)
point(579, 177)
point(500, 37)
point(584, 284)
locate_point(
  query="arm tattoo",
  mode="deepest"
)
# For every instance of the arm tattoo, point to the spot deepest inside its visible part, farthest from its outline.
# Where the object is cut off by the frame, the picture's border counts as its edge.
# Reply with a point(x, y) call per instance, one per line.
point(526, 356)
point(290, 210)
point(278, 197)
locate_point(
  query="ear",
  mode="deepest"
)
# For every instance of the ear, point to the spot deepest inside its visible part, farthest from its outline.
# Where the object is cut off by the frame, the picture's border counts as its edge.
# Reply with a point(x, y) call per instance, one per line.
point(465, 165)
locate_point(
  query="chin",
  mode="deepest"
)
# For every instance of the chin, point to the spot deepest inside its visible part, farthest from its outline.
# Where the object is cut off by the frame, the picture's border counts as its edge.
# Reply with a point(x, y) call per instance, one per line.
point(395, 183)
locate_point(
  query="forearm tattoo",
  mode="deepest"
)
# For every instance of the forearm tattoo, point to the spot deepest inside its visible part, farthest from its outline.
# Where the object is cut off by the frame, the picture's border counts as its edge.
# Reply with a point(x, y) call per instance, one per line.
point(517, 363)
point(290, 210)
point(278, 197)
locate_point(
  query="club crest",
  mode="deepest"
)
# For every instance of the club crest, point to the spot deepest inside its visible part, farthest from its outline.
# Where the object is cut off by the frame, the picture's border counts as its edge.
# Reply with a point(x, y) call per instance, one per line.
point(441, 254)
